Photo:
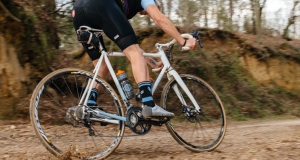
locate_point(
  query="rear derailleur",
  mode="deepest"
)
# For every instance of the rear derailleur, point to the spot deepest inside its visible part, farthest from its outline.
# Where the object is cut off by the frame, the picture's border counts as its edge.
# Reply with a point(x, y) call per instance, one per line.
point(76, 116)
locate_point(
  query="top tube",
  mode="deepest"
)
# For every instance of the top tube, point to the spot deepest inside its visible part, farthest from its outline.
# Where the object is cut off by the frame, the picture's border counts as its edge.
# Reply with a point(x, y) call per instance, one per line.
point(121, 54)
point(157, 45)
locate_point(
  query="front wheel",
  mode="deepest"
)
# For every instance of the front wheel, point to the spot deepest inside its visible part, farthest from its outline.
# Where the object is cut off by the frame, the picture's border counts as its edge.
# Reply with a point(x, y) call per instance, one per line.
point(196, 131)
point(55, 112)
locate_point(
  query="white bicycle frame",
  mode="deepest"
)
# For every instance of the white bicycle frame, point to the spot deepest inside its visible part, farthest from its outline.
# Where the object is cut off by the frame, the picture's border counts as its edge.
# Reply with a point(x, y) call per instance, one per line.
point(171, 73)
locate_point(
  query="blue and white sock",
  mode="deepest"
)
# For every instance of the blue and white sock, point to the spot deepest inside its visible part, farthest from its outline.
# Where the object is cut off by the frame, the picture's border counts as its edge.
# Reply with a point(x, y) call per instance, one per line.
point(93, 97)
point(146, 93)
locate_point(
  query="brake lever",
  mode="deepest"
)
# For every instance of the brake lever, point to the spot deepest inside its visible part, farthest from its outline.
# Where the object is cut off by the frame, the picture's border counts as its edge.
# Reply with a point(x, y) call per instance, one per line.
point(195, 34)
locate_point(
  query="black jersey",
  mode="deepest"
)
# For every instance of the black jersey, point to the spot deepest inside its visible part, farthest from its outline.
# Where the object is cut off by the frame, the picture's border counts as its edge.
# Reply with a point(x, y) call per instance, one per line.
point(130, 7)
point(112, 17)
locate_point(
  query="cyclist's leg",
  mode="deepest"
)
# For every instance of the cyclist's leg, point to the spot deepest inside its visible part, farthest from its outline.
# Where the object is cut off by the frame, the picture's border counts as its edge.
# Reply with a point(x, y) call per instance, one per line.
point(118, 29)
point(94, 54)
point(79, 19)
point(140, 72)
point(138, 63)
point(103, 72)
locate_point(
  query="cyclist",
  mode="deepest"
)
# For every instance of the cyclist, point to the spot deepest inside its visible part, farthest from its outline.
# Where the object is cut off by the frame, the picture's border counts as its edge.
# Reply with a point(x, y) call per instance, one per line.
point(112, 17)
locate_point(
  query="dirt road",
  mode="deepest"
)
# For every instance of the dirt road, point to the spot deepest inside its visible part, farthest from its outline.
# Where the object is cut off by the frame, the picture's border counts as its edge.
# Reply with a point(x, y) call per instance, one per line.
point(276, 139)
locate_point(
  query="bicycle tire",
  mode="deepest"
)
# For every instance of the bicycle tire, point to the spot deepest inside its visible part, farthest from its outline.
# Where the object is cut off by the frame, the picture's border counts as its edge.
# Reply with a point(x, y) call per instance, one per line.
point(50, 101)
point(210, 124)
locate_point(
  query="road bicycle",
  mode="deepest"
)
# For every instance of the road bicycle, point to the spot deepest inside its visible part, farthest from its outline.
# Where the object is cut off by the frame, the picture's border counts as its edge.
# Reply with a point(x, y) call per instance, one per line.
point(68, 127)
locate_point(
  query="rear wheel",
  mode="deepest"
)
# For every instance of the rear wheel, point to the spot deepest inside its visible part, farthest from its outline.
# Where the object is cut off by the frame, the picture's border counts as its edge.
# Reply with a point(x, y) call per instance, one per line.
point(66, 136)
point(197, 132)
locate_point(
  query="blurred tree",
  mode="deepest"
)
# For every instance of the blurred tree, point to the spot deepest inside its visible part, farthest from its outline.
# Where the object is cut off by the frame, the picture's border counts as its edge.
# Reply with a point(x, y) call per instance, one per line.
point(161, 5)
point(63, 21)
point(232, 8)
point(291, 19)
point(2, 6)
point(28, 42)
point(257, 8)
point(188, 12)
point(225, 12)
point(204, 6)
point(169, 6)
point(221, 17)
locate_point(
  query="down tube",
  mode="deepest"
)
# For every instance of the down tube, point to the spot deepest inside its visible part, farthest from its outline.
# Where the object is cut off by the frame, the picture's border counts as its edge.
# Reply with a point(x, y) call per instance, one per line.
point(185, 89)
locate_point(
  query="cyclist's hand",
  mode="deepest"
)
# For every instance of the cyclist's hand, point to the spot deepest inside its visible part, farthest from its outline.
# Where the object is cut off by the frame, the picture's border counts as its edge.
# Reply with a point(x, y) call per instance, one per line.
point(159, 64)
point(157, 67)
point(191, 43)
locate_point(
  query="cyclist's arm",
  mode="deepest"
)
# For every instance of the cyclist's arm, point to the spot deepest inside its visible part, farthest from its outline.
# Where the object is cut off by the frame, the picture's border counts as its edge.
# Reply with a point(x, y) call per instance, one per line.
point(152, 63)
point(167, 26)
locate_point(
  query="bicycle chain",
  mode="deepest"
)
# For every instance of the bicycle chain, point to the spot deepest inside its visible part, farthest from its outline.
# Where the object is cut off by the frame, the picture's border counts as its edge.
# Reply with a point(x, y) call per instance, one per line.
point(111, 106)
point(108, 124)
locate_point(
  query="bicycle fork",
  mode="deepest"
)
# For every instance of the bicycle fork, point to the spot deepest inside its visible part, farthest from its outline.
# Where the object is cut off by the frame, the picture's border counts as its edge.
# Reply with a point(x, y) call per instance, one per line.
point(172, 73)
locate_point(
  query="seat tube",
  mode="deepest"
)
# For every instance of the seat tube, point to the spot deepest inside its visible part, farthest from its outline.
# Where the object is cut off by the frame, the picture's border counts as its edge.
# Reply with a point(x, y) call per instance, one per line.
point(90, 85)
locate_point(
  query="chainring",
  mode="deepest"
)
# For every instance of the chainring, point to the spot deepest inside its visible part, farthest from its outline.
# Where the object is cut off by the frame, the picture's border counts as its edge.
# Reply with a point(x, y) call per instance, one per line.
point(134, 121)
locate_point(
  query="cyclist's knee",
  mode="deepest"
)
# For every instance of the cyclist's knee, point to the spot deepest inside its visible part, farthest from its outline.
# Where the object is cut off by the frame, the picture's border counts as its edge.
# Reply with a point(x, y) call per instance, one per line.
point(133, 52)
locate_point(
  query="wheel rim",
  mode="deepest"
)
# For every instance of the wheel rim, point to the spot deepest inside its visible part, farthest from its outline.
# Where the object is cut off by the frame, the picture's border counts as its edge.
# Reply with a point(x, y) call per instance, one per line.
point(202, 131)
point(54, 98)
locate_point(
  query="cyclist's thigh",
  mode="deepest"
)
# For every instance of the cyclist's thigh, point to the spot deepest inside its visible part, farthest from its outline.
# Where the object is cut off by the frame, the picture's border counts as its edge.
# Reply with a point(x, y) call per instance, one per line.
point(80, 19)
point(110, 17)
point(79, 15)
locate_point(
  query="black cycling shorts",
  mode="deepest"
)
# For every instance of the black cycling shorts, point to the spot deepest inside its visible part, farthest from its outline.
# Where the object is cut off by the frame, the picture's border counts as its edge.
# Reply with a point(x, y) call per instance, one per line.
point(105, 15)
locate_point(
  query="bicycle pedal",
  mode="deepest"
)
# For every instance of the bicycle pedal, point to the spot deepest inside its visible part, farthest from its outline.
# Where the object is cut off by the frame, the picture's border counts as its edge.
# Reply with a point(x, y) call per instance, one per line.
point(103, 124)
point(160, 118)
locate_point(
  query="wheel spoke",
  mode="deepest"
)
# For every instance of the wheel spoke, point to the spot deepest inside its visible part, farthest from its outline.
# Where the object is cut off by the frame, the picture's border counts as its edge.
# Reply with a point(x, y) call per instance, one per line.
point(196, 131)
point(58, 95)
point(62, 93)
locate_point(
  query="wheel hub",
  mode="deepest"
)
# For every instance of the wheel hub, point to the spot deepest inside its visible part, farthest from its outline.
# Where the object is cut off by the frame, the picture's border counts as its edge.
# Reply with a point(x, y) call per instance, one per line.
point(191, 114)
point(74, 115)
